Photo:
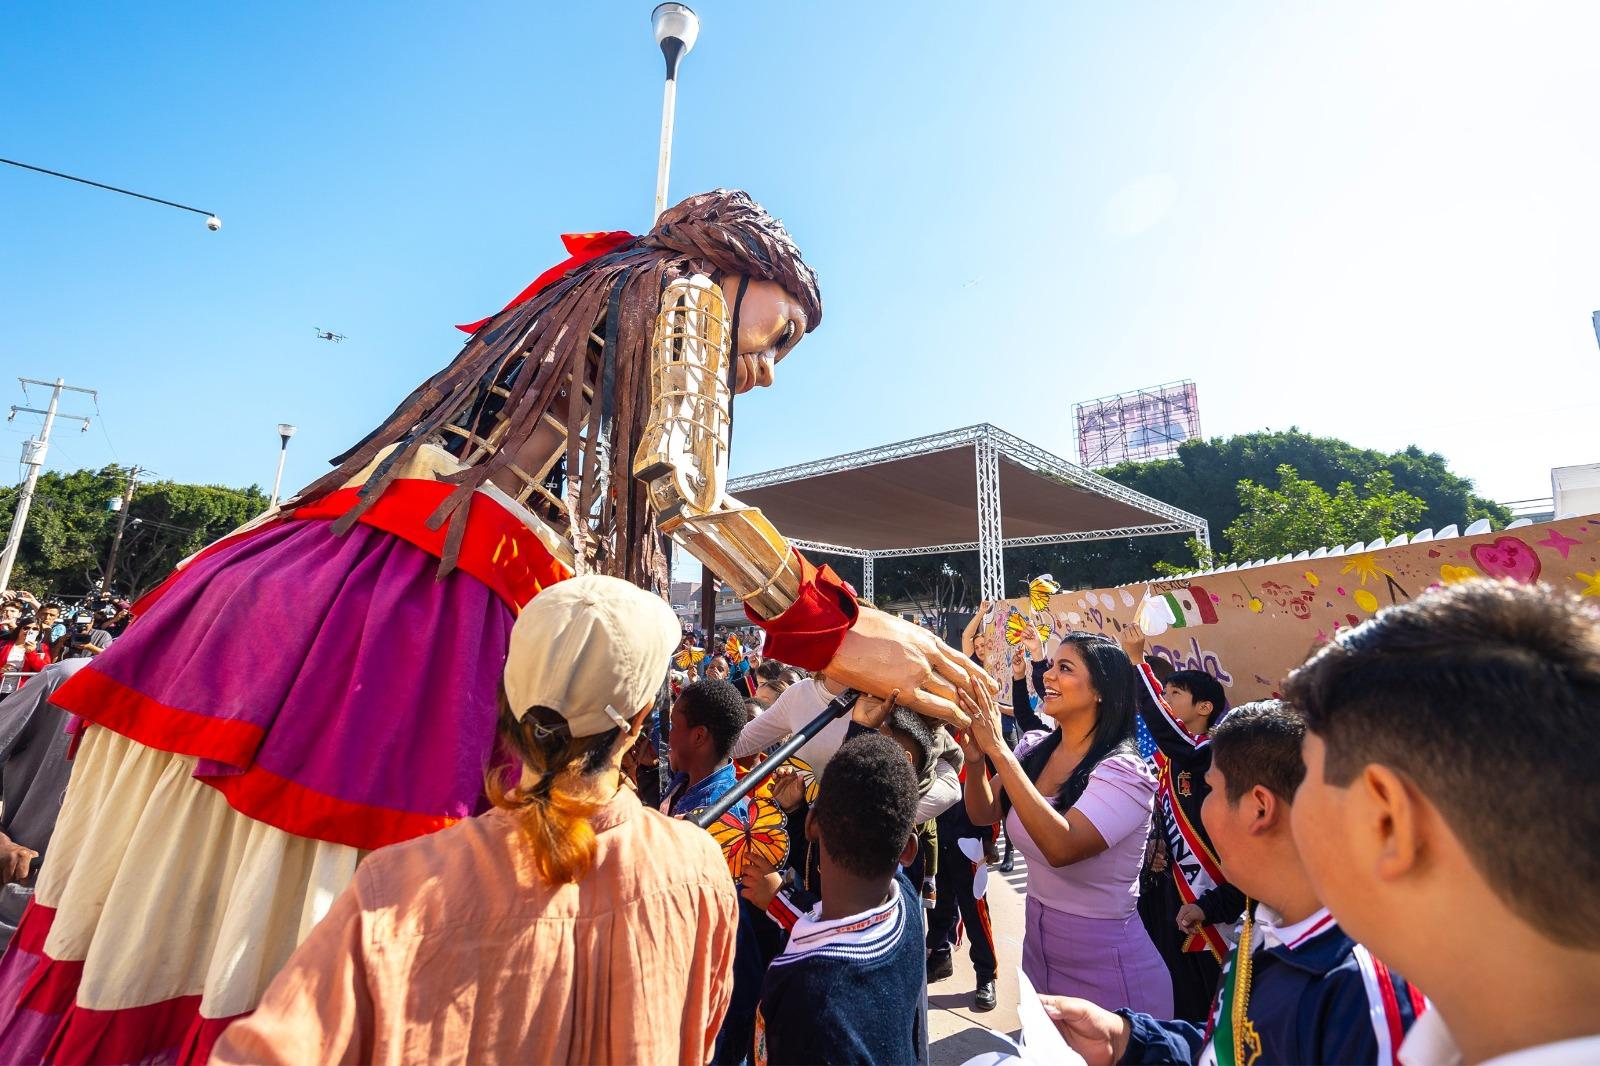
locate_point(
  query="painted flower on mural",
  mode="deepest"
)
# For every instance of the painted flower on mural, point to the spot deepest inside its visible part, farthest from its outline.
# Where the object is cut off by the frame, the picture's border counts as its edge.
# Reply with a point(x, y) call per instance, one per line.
point(1364, 566)
point(1450, 575)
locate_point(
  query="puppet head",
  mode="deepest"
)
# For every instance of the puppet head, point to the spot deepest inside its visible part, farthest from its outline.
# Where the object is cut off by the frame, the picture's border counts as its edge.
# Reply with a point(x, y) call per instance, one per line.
point(550, 395)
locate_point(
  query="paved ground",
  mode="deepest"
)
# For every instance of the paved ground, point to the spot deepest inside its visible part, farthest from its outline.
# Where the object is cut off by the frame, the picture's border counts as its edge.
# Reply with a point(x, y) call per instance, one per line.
point(955, 1031)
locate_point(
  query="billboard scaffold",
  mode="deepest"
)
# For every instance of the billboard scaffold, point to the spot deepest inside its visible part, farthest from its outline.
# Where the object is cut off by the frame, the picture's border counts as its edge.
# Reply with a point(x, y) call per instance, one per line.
point(1144, 424)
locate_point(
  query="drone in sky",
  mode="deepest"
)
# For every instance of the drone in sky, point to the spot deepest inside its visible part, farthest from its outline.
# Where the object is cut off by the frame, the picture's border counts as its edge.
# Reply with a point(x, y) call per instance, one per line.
point(328, 335)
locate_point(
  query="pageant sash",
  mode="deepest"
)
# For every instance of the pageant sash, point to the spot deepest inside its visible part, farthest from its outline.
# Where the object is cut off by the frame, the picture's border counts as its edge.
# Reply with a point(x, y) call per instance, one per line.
point(1194, 868)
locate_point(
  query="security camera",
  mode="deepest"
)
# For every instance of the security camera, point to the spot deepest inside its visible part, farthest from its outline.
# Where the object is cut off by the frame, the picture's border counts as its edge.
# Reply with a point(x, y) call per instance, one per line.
point(213, 223)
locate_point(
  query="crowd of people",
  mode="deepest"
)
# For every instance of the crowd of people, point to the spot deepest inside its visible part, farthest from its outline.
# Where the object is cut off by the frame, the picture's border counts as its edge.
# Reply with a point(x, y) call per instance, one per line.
point(35, 633)
point(1387, 864)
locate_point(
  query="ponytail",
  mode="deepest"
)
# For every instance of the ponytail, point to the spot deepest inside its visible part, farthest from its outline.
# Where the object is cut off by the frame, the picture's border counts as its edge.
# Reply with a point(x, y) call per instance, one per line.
point(555, 823)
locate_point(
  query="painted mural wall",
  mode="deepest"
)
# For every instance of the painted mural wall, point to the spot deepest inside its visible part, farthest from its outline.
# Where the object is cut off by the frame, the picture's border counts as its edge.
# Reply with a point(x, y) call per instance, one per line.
point(1249, 627)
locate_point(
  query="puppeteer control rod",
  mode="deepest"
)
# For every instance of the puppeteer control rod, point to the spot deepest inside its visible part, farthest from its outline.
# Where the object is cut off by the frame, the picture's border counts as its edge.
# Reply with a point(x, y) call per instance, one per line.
point(840, 707)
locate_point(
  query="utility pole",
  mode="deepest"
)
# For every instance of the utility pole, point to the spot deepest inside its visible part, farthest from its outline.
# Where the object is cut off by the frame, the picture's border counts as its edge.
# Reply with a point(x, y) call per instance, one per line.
point(122, 523)
point(33, 452)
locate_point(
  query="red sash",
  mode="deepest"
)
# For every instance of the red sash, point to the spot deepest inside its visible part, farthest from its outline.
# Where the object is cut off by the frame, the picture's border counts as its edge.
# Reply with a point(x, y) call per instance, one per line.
point(1194, 868)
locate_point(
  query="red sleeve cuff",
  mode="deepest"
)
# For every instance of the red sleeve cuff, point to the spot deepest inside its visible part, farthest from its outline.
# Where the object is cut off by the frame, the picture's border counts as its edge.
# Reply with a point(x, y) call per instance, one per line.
point(809, 633)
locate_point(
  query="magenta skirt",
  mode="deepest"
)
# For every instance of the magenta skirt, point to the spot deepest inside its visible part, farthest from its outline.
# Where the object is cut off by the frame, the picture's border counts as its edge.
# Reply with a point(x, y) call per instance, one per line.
point(1108, 961)
point(332, 686)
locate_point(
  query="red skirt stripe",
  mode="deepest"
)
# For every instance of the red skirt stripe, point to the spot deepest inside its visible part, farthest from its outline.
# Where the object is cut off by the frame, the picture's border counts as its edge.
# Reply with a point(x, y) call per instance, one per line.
point(172, 1030)
point(294, 808)
point(98, 698)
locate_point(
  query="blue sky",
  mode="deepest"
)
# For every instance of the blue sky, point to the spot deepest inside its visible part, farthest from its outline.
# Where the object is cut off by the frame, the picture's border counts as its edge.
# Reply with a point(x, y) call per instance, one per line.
point(1373, 221)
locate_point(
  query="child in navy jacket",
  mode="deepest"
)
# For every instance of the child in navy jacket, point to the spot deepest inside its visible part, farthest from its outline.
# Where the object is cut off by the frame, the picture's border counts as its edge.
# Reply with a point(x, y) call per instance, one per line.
point(850, 985)
point(1296, 989)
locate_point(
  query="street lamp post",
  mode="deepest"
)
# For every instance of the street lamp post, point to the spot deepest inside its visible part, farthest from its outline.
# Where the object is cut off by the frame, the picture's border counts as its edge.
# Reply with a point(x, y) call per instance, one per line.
point(285, 431)
point(676, 29)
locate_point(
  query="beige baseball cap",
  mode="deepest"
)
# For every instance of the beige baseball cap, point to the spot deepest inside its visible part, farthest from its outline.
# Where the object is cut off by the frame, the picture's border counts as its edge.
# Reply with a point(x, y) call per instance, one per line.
point(593, 649)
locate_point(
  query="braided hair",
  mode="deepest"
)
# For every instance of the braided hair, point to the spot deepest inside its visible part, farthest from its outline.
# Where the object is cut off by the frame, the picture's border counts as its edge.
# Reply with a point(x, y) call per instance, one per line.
point(522, 363)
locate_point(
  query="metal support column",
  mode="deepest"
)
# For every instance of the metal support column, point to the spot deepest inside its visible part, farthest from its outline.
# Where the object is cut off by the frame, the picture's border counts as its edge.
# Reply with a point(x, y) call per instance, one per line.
point(868, 575)
point(708, 605)
point(991, 553)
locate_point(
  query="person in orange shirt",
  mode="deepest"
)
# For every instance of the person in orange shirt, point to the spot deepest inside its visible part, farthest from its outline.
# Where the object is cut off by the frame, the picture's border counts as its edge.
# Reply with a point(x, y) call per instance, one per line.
point(548, 929)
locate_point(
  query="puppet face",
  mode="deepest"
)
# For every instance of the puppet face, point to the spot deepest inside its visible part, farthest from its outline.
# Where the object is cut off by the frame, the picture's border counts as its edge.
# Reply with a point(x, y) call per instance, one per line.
point(771, 323)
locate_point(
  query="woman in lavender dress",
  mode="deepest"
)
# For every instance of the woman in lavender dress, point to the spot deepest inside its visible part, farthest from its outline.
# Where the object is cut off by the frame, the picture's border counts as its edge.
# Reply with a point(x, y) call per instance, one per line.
point(1078, 801)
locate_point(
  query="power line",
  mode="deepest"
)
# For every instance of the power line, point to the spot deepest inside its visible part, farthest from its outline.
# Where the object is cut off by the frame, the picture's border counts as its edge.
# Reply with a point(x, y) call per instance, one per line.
point(212, 221)
point(100, 418)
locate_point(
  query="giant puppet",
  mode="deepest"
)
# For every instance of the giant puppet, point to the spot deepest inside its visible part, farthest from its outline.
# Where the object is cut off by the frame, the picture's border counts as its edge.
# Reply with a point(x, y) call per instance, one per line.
point(323, 682)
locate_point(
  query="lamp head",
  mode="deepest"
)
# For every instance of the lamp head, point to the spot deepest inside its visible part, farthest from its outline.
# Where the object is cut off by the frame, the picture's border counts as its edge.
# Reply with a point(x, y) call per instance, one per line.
point(285, 431)
point(213, 223)
point(676, 27)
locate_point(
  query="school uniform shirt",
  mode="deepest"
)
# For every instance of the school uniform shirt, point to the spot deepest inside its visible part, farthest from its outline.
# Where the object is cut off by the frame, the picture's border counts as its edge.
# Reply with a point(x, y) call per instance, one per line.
point(1316, 997)
point(849, 990)
point(1181, 765)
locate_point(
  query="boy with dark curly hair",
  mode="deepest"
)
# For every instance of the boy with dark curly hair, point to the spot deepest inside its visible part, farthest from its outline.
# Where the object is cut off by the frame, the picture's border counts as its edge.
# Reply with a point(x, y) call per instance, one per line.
point(849, 986)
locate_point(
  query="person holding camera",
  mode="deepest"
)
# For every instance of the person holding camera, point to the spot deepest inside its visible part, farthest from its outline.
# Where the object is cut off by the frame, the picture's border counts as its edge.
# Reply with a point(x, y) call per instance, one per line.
point(83, 640)
point(22, 656)
point(116, 615)
point(10, 617)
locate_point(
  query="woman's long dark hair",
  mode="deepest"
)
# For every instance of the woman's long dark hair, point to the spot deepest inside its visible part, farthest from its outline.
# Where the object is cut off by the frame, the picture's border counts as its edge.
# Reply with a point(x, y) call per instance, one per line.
point(1116, 685)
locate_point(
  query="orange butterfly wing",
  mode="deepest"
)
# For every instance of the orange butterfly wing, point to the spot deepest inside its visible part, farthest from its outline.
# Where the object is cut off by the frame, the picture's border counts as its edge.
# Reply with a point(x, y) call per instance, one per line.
point(761, 832)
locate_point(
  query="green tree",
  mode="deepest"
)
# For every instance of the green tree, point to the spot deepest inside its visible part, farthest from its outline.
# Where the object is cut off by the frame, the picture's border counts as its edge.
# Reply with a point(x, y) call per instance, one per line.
point(1203, 479)
point(67, 530)
point(170, 521)
point(70, 527)
point(1300, 515)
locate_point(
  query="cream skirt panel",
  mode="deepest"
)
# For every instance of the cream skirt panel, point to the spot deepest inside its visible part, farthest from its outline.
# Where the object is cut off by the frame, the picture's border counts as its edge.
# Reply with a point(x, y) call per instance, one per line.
point(163, 890)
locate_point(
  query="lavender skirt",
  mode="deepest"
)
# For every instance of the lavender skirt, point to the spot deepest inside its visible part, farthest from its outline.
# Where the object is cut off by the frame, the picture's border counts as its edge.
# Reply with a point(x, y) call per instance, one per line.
point(1108, 961)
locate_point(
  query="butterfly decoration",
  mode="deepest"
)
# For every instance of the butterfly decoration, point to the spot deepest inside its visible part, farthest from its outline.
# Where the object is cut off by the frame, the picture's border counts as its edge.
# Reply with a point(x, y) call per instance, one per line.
point(689, 657)
point(760, 831)
point(1040, 589)
point(1018, 624)
point(808, 778)
point(733, 649)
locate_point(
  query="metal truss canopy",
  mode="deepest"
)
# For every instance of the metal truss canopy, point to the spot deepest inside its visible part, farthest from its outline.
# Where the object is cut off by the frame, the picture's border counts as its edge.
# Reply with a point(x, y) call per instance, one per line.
point(935, 494)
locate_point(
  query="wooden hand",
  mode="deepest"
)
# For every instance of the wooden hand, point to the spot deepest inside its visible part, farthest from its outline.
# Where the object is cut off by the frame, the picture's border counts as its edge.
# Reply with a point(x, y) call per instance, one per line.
point(881, 654)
